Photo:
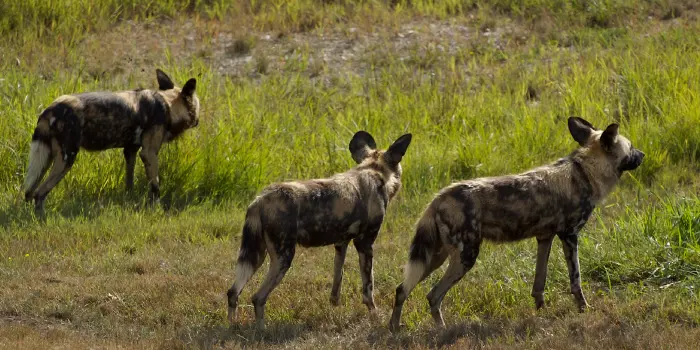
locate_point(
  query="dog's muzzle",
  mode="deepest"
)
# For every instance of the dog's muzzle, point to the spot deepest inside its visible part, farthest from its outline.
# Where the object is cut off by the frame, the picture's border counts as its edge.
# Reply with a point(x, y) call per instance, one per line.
point(632, 161)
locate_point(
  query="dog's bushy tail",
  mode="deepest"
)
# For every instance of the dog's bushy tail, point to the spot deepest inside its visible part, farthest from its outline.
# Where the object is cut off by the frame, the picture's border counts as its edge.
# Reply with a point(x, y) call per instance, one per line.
point(423, 247)
point(250, 256)
point(39, 161)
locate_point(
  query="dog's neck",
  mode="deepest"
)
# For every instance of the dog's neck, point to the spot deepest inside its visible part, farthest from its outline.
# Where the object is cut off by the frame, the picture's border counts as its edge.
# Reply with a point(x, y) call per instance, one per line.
point(385, 177)
point(601, 177)
point(176, 124)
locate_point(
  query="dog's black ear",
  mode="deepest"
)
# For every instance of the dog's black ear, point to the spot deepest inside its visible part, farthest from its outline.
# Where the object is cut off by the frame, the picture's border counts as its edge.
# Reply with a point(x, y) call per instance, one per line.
point(189, 87)
point(164, 82)
point(361, 145)
point(397, 149)
point(580, 129)
point(607, 139)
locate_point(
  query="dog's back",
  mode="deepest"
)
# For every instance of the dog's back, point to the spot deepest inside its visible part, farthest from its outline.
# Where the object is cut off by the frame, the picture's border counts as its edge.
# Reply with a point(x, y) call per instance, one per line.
point(106, 119)
point(540, 202)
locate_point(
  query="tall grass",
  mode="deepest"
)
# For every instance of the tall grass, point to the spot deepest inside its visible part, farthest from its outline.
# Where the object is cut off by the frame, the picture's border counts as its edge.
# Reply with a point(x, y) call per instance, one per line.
point(468, 122)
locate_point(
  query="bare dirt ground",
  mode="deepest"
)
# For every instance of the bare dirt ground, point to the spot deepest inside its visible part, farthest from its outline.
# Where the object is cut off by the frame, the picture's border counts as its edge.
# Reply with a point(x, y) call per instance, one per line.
point(134, 48)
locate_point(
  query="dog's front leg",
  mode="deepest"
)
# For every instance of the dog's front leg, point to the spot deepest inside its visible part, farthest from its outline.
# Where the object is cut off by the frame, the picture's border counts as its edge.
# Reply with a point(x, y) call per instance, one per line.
point(570, 245)
point(544, 246)
point(152, 140)
point(340, 251)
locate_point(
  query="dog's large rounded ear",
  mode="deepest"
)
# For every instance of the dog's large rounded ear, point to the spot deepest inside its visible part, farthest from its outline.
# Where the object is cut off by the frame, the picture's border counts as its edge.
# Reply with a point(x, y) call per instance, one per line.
point(398, 149)
point(580, 129)
point(164, 81)
point(361, 145)
point(189, 87)
point(607, 139)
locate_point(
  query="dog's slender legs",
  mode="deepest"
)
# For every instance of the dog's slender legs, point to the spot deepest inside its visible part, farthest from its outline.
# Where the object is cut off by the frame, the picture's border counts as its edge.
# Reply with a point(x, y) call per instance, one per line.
point(544, 246)
point(149, 155)
point(62, 163)
point(460, 264)
point(570, 245)
point(130, 158)
point(366, 253)
point(279, 265)
point(405, 288)
point(340, 252)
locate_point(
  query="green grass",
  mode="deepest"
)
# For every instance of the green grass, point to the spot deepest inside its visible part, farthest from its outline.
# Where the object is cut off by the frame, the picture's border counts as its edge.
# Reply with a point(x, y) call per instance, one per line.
point(105, 271)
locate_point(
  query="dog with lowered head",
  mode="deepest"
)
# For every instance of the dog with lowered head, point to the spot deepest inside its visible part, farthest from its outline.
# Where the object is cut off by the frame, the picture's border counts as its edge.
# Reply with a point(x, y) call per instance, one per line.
point(548, 201)
point(346, 207)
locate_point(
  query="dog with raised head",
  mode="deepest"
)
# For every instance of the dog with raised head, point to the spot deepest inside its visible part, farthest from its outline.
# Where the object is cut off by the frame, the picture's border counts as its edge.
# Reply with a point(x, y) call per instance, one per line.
point(346, 207)
point(97, 121)
point(548, 201)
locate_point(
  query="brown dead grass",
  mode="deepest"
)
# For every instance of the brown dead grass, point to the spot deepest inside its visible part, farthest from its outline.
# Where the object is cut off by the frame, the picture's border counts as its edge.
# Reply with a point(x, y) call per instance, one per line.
point(175, 299)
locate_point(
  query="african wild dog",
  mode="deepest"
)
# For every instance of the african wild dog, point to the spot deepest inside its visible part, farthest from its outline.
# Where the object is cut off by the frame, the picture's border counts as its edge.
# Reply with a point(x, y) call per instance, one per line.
point(551, 200)
point(346, 207)
point(96, 121)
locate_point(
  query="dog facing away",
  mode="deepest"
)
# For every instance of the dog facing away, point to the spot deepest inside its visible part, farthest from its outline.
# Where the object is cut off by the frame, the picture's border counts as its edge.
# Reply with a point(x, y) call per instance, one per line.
point(548, 201)
point(97, 121)
point(346, 207)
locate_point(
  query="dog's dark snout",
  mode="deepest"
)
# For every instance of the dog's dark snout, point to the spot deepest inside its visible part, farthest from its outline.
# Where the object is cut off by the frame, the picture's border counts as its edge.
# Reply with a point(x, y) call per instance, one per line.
point(641, 154)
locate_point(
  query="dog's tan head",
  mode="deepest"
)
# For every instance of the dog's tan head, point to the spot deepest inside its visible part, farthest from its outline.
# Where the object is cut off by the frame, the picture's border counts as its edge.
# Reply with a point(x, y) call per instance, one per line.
point(385, 162)
point(606, 152)
point(184, 104)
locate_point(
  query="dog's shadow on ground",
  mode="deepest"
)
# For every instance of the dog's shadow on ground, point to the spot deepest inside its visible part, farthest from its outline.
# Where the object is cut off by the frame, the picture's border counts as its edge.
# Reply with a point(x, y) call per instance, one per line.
point(19, 212)
point(431, 337)
point(469, 333)
point(466, 334)
point(247, 335)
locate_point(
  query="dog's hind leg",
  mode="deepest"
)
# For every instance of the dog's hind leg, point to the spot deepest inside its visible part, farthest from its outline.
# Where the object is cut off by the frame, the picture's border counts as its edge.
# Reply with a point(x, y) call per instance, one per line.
point(570, 245)
point(280, 237)
point(62, 163)
point(280, 261)
point(366, 254)
point(130, 158)
point(340, 252)
point(460, 263)
point(414, 274)
point(544, 246)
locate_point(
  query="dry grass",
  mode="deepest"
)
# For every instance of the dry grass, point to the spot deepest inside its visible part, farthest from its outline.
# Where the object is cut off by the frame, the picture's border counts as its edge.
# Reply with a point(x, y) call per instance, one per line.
point(174, 299)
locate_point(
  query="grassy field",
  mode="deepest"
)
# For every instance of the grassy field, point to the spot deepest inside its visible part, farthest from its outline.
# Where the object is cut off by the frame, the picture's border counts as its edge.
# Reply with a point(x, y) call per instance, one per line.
point(484, 86)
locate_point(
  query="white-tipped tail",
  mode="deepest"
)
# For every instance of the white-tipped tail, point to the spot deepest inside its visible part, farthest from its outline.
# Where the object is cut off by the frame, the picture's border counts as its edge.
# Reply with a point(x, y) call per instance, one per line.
point(412, 274)
point(244, 271)
point(39, 156)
